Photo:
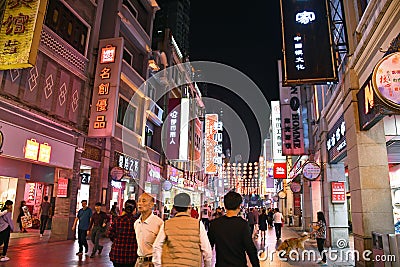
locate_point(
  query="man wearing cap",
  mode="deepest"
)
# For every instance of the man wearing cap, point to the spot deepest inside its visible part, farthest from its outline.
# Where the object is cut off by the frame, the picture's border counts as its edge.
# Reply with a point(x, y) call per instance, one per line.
point(182, 240)
point(146, 228)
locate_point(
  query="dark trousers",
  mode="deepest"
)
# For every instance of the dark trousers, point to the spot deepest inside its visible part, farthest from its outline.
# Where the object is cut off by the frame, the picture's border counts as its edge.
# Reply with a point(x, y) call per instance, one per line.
point(251, 229)
point(43, 223)
point(82, 240)
point(206, 223)
point(278, 228)
point(320, 245)
point(5, 238)
point(97, 231)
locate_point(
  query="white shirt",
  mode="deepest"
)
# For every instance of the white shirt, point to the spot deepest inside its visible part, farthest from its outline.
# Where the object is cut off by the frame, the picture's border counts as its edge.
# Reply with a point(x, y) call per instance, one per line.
point(205, 247)
point(146, 233)
point(277, 217)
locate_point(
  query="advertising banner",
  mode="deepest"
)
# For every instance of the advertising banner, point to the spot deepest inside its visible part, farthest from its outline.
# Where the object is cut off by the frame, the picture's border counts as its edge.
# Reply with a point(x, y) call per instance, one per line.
point(212, 139)
point(338, 192)
point(276, 131)
point(280, 170)
point(62, 189)
point(172, 127)
point(291, 122)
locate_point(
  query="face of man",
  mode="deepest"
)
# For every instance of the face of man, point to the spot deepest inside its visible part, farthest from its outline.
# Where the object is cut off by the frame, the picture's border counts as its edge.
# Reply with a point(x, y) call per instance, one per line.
point(145, 203)
point(97, 208)
point(84, 204)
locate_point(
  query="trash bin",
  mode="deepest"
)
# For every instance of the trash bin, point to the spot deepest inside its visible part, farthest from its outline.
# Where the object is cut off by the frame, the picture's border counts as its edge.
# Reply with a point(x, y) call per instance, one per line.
point(377, 248)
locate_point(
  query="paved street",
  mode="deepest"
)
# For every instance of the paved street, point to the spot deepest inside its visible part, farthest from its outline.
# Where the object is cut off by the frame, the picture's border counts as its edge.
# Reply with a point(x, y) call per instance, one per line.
point(30, 250)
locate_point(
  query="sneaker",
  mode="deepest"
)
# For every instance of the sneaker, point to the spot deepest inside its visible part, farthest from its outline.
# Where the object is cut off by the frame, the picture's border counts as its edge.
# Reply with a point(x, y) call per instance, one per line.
point(80, 253)
point(100, 250)
point(4, 258)
point(41, 235)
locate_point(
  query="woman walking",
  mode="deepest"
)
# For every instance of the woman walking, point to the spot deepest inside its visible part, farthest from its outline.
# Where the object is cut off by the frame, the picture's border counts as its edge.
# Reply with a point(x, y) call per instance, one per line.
point(320, 235)
point(277, 223)
point(262, 223)
point(6, 227)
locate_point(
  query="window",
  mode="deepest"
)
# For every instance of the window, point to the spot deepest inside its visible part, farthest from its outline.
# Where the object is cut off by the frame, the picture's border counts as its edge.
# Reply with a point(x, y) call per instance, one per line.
point(362, 5)
point(126, 114)
point(127, 56)
point(130, 7)
point(149, 136)
point(67, 25)
point(151, 91)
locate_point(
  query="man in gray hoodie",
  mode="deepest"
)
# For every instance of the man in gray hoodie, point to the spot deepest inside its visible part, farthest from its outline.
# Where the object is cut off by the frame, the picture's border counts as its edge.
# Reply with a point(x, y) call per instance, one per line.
point(6, 227)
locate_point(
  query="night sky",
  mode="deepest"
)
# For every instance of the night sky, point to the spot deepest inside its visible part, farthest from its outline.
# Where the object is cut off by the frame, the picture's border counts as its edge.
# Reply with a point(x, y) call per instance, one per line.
point(245, 35)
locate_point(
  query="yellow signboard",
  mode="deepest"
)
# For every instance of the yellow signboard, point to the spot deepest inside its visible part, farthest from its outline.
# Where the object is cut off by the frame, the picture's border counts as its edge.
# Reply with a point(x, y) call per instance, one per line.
point(20, 33)
point(31, 149)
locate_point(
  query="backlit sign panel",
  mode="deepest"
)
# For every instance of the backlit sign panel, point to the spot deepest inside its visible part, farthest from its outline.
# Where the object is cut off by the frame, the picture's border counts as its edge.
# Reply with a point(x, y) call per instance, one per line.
point(62, 188)
point(44, 153)
point(280, 170)
point(338, 192)
point(20, 32)
point(291, 121)
point(386, 80)
point(213, 143)
point(31, 149)
point(336, 141)
point(308, 56)
point(103, 112)
point(276, 131)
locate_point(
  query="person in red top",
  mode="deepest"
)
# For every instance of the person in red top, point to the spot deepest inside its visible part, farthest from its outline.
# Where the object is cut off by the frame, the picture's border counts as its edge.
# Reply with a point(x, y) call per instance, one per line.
point(194, 213)
point(123, 251)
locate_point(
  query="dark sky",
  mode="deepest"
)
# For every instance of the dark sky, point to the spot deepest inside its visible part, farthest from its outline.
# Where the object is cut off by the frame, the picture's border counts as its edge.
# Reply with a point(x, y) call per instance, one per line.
point(245, 35)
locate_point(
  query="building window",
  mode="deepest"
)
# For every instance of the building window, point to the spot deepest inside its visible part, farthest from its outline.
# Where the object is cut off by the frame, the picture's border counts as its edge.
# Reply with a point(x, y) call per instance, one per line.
point(65, 24)
point(126, 114)
point(130, 7)
point(127, 56)
point(151, 91)
point(149, 136)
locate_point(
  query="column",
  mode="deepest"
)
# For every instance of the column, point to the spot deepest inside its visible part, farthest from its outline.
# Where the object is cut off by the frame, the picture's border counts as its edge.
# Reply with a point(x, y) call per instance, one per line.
point(371, 208)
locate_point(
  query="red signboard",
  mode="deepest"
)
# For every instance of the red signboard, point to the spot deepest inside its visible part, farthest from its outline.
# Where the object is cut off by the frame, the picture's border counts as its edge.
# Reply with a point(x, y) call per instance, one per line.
point(280, 170)
point(62, 190)
point(338, 192)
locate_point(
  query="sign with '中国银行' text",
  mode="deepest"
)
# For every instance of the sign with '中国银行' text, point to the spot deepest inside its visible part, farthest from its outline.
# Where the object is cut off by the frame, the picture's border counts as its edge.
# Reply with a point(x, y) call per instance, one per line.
point(103, 112)
point(20, 31)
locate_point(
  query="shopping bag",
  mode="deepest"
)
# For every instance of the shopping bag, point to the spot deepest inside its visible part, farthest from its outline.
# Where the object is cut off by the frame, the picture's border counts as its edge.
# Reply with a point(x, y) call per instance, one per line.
point(26, 221)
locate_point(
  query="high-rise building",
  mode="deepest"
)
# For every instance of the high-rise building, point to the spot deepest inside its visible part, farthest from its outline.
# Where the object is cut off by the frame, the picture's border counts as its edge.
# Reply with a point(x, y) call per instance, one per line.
point(175, 15)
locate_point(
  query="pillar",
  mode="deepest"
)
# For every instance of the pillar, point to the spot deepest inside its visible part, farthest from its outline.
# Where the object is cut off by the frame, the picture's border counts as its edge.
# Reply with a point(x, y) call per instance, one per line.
point(371, 208)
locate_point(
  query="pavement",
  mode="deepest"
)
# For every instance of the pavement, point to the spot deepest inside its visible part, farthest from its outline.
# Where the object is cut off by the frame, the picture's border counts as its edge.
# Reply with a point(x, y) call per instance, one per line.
point(28, 249)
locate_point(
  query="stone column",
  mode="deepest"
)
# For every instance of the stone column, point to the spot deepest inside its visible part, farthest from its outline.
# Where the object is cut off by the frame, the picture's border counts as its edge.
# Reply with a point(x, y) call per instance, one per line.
point(371, 208)
point(335, 213)
point(307, 205)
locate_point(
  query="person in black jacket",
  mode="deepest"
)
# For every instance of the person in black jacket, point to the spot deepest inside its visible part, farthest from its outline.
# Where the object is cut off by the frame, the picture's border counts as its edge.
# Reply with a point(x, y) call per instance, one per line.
point(231, 236)
point(21, 213)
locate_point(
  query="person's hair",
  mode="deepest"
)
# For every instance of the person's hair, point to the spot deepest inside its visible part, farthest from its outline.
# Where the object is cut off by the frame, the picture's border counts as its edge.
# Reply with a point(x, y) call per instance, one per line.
point(320, 216)
point(46, 198)
point(23, 202)
point(263, 211)
point(232, 200)
point(7, 203)
point(130, 205)
point(181, 209)
point(98, 204)
point(277, 209)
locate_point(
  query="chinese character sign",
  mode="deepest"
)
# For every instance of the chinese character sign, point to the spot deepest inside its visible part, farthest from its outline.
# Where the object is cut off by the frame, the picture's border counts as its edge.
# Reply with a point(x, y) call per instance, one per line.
point(276, 131)
point(386, 80)
point(103, 112)
point(338, 192)
point(172, 127)
point(213, 148)
point(308, 53)
point(20, 31)
point(280, 170)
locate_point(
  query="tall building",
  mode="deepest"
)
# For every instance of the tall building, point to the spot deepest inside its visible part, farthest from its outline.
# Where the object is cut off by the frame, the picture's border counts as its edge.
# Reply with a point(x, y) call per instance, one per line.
point(175, 15)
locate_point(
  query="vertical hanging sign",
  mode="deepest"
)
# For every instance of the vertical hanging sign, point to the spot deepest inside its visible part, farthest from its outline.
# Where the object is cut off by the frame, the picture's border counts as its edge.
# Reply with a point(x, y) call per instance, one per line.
point(291, 121)
point(20, 31)
point(103, 112)
point(213, 146)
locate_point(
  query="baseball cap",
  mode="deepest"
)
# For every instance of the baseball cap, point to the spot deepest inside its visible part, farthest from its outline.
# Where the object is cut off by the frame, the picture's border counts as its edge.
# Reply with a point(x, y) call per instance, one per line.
point(182, 200)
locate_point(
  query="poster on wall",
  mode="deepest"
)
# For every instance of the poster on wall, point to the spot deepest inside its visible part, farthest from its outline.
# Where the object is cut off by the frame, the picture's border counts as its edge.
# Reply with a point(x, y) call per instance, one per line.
point(62, 190)
point(338, 192)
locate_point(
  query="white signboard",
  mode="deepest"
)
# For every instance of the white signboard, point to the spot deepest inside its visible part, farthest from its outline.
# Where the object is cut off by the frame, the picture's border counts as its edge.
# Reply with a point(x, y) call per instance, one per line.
point(276, 132)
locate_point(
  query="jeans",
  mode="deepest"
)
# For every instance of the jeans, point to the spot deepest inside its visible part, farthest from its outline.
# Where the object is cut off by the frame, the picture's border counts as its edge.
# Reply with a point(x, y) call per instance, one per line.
point(278, 227)
point(206, 222)
point(320, 245)
point(43, 223)
point(97, 231)
point(5, 238)
point(82, 240)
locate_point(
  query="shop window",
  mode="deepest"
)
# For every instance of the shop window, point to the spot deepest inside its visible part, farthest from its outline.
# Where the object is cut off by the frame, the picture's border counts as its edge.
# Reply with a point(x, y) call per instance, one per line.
point(67, 25)
point(126, 114)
